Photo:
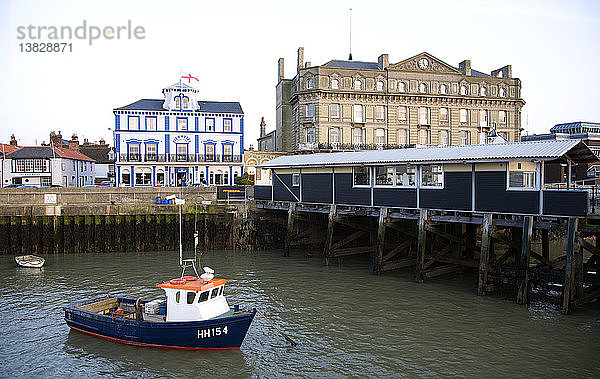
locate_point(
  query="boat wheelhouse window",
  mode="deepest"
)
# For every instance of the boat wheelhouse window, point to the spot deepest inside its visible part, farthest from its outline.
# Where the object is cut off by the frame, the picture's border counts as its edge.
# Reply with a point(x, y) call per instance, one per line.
point(221, 289)
point(522, 175)
point(432, 176)
point(177, 296)
point(405, 176)
point(215, 293)
point(384, 176)
point(190, 297)
point(361, 176)
point(203, 296)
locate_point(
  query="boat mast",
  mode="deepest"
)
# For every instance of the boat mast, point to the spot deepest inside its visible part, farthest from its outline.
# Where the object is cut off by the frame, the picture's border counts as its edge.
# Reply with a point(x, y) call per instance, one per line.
point(180, 236)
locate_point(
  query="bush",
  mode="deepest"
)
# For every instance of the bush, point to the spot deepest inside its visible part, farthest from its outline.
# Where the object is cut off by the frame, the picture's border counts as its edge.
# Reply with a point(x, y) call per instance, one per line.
point(243, 180)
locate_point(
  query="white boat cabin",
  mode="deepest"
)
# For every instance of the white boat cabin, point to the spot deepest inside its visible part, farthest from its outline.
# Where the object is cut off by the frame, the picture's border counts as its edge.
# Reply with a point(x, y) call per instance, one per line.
point(194, 299)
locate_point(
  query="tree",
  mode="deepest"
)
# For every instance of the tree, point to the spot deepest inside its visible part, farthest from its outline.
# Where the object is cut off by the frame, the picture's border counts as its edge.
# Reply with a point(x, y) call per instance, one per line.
point(243, 180)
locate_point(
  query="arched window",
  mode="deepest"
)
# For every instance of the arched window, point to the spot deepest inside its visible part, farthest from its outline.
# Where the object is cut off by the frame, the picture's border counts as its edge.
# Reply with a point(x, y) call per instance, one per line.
point(482, 91)
point(463, 90)
point(185, 103)
point(357, 84)
point(379, 85)
point(502, 92)
point(178, 102)
point(423, 88)
point(401, 87)
point(335, 84)
point(309, 83)
point(444, 89)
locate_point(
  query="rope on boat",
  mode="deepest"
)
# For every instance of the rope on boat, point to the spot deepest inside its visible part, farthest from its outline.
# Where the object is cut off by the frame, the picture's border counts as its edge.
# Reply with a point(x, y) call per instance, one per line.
point(294, 343)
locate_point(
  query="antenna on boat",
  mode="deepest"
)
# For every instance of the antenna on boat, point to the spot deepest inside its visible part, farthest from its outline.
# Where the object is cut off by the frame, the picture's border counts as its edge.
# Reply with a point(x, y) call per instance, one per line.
point(183, 263)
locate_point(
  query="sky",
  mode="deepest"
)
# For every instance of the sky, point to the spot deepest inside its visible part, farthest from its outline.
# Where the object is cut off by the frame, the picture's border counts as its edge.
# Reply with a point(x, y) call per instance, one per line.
point(233, 48)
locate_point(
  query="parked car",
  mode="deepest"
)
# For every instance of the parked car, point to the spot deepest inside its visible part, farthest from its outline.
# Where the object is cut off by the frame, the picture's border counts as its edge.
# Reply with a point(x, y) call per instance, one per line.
point(12, 186)
point(105, 183)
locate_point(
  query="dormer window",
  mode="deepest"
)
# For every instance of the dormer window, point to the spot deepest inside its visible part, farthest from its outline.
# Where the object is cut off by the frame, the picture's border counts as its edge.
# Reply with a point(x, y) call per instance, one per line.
point(309, 83)
point(178, 102)
point(185, 103)
point(401, 87)
point(335, 84)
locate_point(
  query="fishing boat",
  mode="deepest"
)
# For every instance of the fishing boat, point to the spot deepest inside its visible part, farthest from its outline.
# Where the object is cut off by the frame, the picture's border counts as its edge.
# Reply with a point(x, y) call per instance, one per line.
point(30, 261)
point(193, 314)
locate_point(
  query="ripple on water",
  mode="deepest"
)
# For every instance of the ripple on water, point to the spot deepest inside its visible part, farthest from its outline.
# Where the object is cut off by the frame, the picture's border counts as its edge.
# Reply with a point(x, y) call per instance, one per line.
point(348, 322)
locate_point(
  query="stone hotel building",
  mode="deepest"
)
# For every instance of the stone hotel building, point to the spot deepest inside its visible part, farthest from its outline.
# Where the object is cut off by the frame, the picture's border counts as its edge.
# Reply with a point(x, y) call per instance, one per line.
point(352, 105)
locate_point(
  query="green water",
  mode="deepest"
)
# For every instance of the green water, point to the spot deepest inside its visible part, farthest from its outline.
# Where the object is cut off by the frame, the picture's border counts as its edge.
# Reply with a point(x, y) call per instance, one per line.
point(348, 323)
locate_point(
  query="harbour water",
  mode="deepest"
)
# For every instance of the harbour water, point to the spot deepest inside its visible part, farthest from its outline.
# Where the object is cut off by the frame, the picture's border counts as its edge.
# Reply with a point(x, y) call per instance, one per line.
point(348, 323)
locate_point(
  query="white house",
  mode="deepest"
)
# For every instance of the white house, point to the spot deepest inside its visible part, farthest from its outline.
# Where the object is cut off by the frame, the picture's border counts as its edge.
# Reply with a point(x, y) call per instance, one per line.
point(44, 166)
point(178, 140)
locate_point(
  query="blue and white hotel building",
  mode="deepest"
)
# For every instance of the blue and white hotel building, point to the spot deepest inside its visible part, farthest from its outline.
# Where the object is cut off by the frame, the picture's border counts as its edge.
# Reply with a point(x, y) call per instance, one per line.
point(178, 141)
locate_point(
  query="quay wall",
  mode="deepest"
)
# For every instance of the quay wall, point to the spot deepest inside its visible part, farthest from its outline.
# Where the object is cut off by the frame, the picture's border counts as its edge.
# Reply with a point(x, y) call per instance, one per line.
point(89, 220)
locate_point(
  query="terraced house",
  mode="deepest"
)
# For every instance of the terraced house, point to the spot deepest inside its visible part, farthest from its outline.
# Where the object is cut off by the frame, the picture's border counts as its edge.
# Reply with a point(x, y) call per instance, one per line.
point(178, 140)
point(421, 100)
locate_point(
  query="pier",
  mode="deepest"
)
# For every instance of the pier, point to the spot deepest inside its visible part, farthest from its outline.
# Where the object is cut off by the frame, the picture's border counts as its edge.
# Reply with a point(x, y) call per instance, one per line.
point(447, 210)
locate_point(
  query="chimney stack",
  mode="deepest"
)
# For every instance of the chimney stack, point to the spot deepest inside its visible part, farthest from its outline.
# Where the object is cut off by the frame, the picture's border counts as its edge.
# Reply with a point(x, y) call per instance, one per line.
point(300, 58)
point(102, 141)
point(280, 72)
point(13, 140)
point(74, 143)
point(503, 72)
point(383, 61)
point(263, 124)
point(465, 67)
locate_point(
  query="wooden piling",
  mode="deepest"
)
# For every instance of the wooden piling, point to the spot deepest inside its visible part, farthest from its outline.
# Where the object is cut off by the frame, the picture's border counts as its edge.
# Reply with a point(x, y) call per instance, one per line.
point(378, 256)
point(484, 257)
point(578, 272)
point(289, 229)
point(329, 237)
point(545, 244)
point(568, 282)
point(4, 234)
point(523, 292)
point(421, 246)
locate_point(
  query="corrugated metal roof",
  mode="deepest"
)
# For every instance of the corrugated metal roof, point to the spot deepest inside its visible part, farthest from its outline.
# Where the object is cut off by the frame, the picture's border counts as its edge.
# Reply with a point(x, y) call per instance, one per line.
point(543, 150)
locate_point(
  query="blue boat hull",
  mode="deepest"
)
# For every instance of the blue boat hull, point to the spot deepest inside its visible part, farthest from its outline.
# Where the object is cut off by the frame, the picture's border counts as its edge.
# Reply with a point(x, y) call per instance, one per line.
point(217, 333)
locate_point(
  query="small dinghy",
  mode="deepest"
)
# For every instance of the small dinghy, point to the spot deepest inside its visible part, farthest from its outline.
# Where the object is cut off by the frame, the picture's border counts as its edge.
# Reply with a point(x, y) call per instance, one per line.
point(30, 261)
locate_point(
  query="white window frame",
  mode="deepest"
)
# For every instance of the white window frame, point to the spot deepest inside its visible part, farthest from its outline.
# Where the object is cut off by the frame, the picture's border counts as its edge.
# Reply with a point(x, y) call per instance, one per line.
point(392, 179)
point(295, 179)
point(463, 112)
point(358, 113)
point(444, 89)
point(334, 114)
point(380, 136)
point(310, 134)
point(536, 186)
point(358, 84)
point(335, 83)
point(464, 90)
point(415, 176)
point(368, 175)
point(424, 111)
point(402, 109)
point(362, 136)
point(310, 110)
point(379, 86)
point(502, 120)
point(421, 181)
point(309, 83)
point(380, 112)
point(445, 119)
point(423, 88)
point(401, 87)
point(331, 135)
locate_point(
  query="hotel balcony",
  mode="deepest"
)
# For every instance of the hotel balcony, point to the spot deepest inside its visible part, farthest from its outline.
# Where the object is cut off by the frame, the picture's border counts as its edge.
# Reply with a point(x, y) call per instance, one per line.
point(324, 147)
point(179, 158)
